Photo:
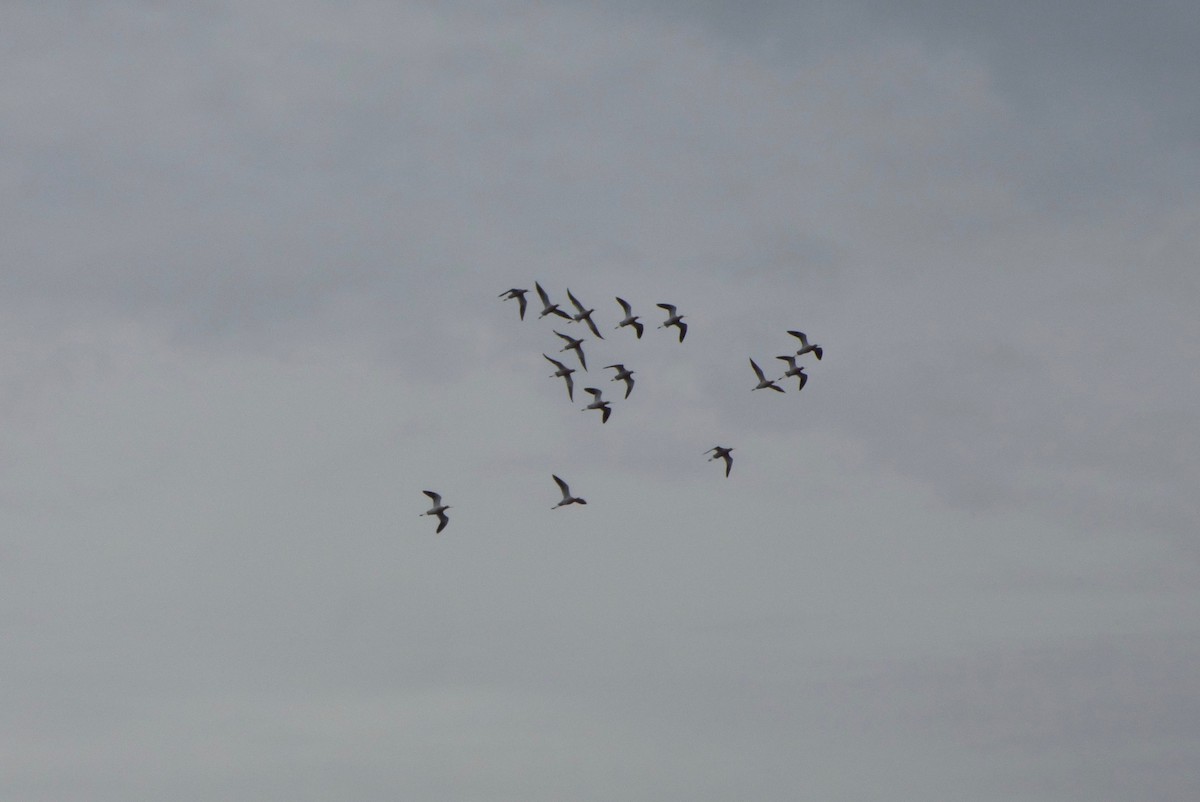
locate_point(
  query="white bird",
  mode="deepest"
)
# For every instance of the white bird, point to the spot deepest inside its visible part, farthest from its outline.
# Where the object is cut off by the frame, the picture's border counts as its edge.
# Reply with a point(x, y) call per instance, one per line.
point(573, 345)
point(816, 349)
point(565, 372)
point(438, 509)
point(674, 319)
point(599, 403)
point(630, 318)
point(583, 314)
point(623, 375)
point(763, 381)
point(519, 295)
point(720, 452)
point(793, 370)
point(547, 307)
point(567, 497)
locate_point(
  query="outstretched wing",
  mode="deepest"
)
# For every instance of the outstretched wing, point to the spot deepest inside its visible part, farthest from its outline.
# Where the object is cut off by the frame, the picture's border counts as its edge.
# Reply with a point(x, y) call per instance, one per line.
point(573, 342)
point(592, 325)
point(558, 364)
point(521, 303)
point(542, 294)
point(638, 328)
point(444, 519)
point(566, 491)
point(594, 392)
point(436, 498)
point(757, 370)
point(570, 385)
point(575, 301)
point(606, 410)
point(799, 335)
point(791, 360)
point(625, 306)
point(669, 307)
point(618, 366)
point(682, 330)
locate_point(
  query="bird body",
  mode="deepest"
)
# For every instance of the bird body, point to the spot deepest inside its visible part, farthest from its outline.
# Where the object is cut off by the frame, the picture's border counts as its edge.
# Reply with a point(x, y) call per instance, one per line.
point(438, 509)
point(519, 295)
point(564, 372)
point(599, 403)
point(763, 381)
point(630, 318)
point(623, 375)
point(793, 370)
point(721, 452)
point(583, 314)
point(547, 307)
point(674, 319)
point(567, 498)
point(575, 345)
point(805, 347)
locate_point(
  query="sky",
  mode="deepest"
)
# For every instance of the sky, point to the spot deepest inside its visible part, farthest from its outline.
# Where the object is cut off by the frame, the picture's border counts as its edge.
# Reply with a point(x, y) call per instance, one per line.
point(249, 311)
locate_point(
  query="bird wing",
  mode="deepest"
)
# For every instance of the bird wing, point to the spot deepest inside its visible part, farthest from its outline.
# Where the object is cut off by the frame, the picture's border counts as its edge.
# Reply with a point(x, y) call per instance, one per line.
point(638, 328)
point(578, 306)
point(542, 294)
point(582, 358)
point(445, 519)
point(592, 325)
point(618, 366)
point(799, 335)
point(803, 377)
point(682, 330)
point(558, 364)
point(728, 462)
point(595, 393)
point(791, 360)
point(817, 351)
point(625, 306)
point(757, 371)
point(435, 497)
point(522, 304)
point(566, 491)
point(628, 385)
point(606, 410)
point(669, 307)
point(570, 385)
point(573, 342)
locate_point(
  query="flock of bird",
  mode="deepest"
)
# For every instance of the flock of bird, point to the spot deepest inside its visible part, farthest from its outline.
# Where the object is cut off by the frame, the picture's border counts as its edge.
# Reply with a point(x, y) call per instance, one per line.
point(583, 314)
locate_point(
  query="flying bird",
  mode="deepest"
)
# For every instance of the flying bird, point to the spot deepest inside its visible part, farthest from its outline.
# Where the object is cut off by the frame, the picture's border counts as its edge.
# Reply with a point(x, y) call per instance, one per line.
point(583, 314)
point(623, 375)
point(573, 345)
point(547, 307)
point(565, 372)
point(438, 509)
point(793, 370)
point(816, 349)
point(763, 381)
point(721, 452)
point(630, 318)
point(519, 295)
point(599, 403)
point(567, 497)
point(674, 319)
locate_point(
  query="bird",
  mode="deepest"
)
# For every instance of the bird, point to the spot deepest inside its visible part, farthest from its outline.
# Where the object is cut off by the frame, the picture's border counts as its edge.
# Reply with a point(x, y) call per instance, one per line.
point(674, 319)
point(599, 403)
point(721, 452)
point(438, 509)
point(630, 318)
point(623, 375)
point(565, 372)
point(816, 349)
point(519, 295)
point(573, 345)
point(583, 314)
point(763, 381)
point(567, 497)
point(793, 370)
point(547, 307)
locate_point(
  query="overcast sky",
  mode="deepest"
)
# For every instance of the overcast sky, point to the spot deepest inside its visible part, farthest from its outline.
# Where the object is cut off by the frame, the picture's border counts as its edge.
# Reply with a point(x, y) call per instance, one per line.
point(248, 312)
